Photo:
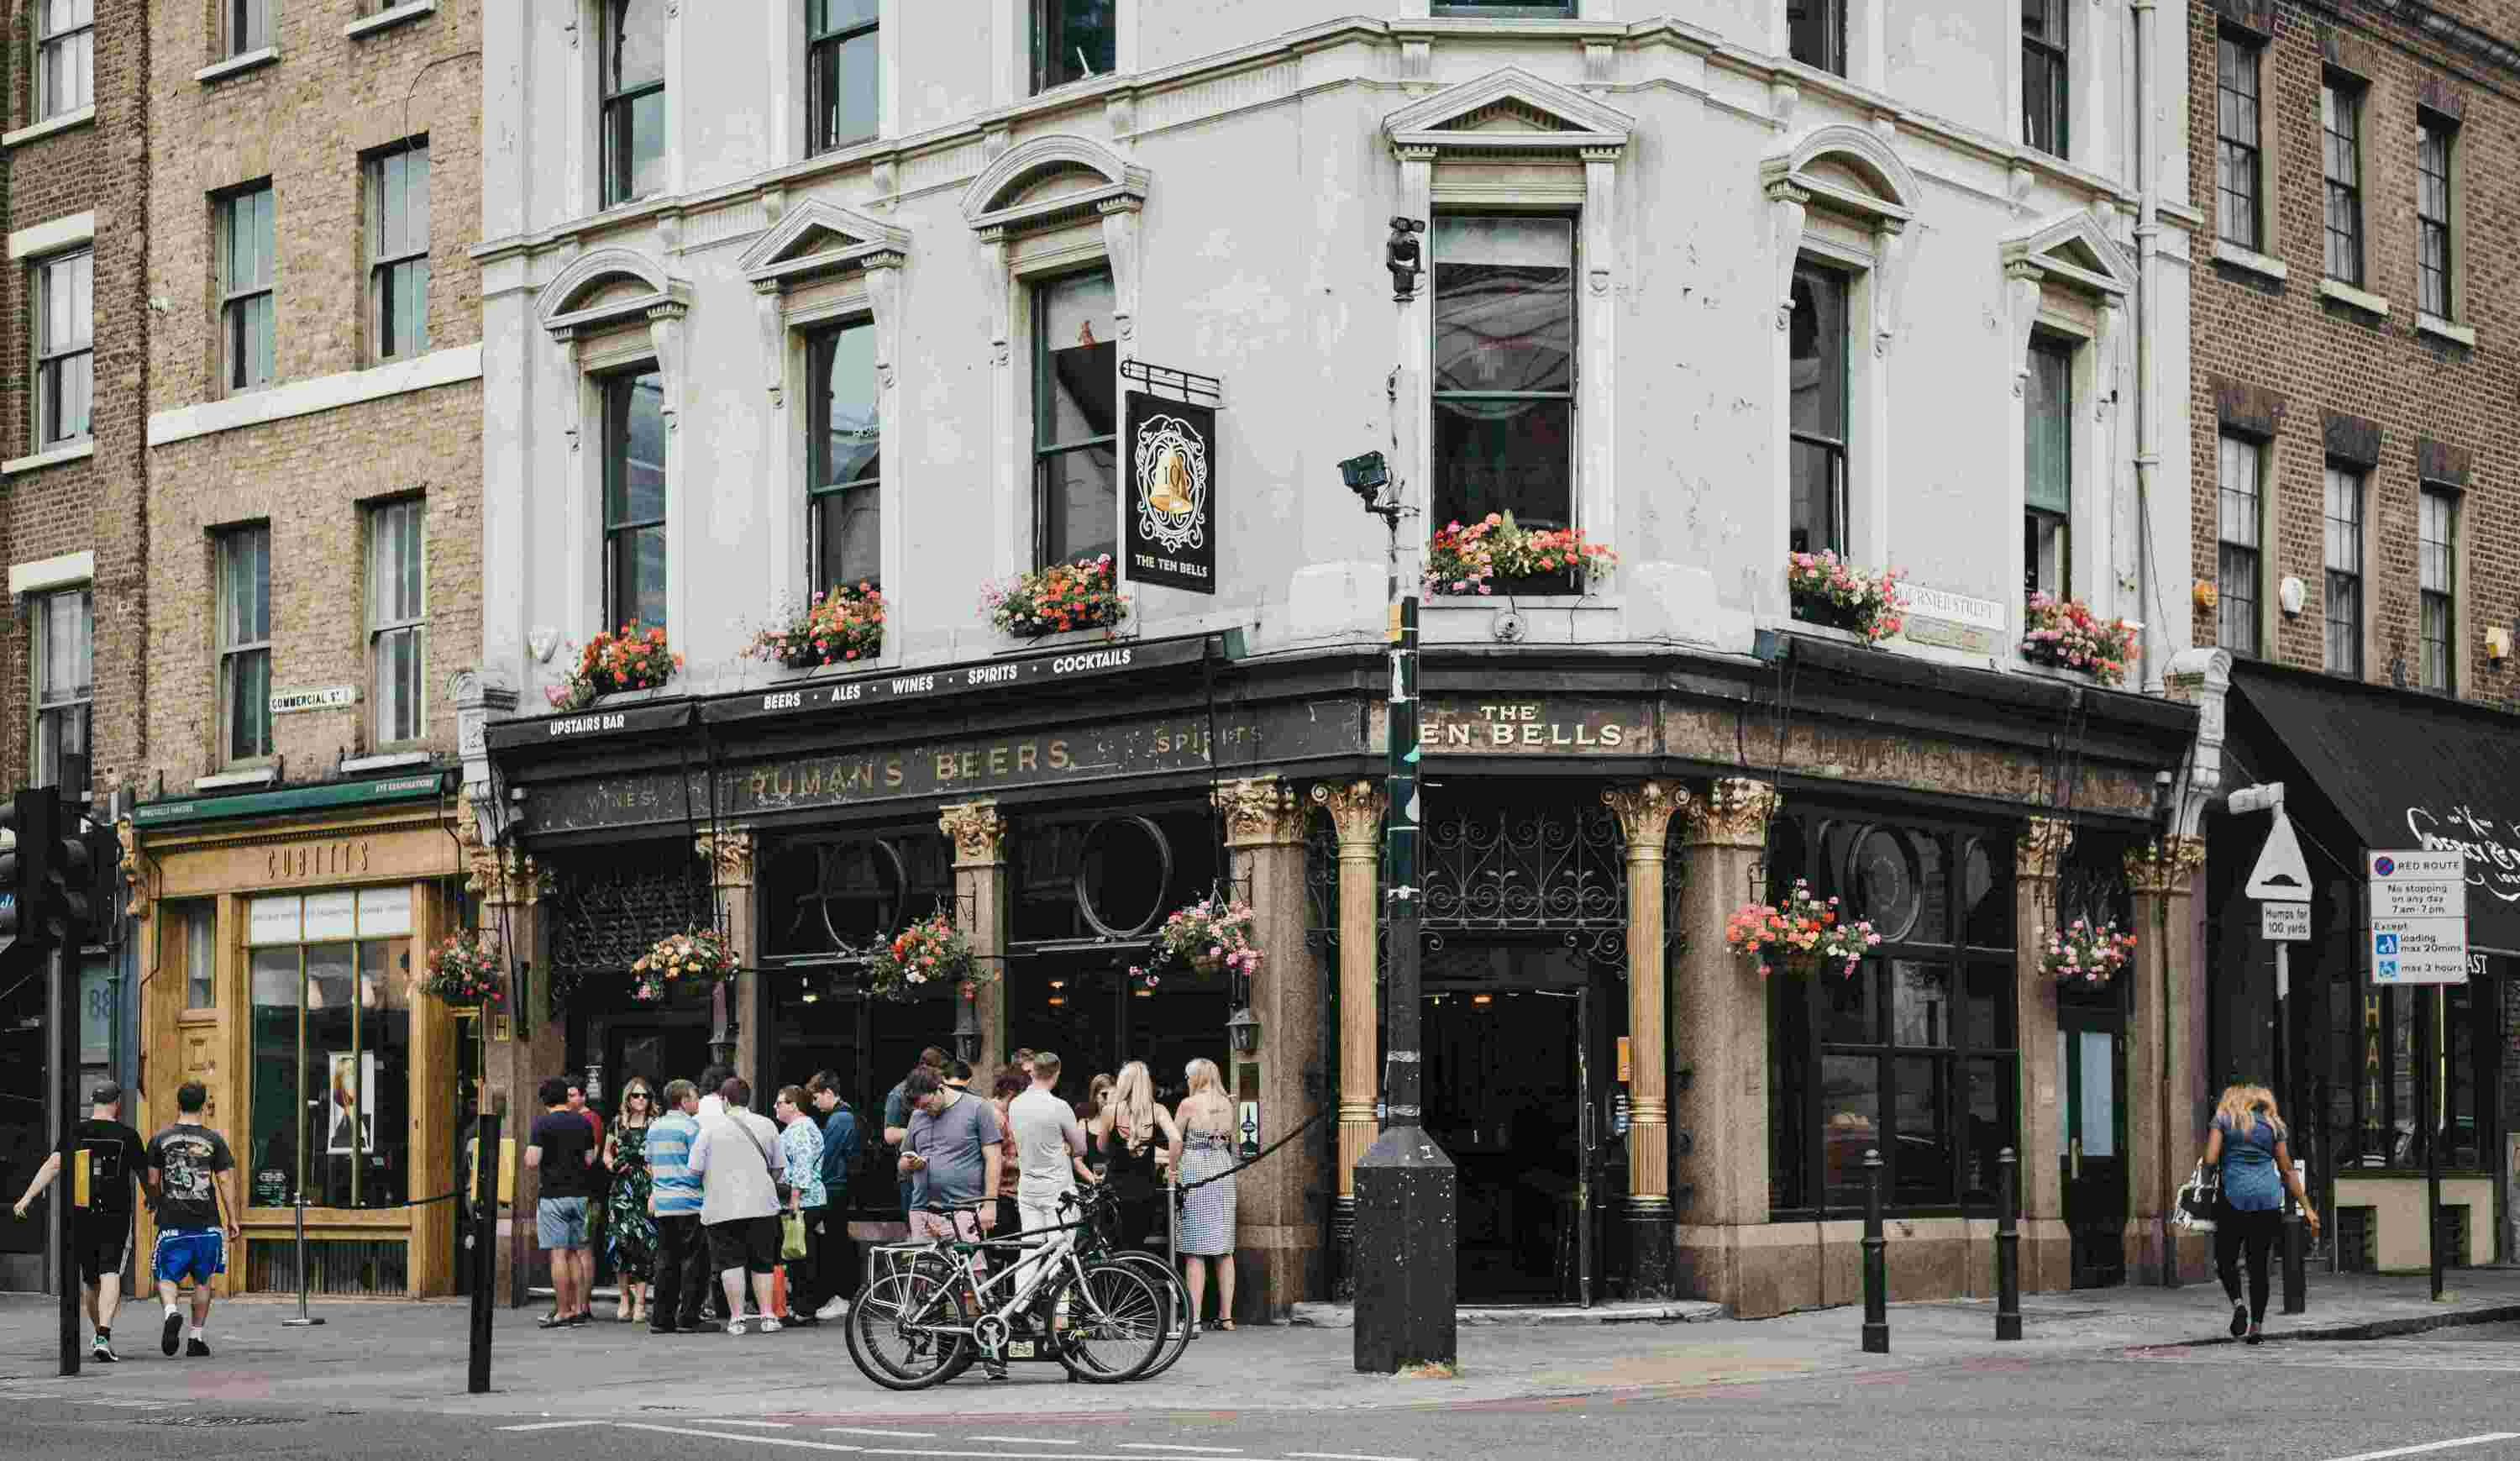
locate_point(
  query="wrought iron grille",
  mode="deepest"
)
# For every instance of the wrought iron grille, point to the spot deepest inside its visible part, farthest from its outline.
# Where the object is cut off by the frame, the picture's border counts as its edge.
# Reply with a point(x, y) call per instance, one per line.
point(1537, 871)
point(602, 923)
point(2092, 884)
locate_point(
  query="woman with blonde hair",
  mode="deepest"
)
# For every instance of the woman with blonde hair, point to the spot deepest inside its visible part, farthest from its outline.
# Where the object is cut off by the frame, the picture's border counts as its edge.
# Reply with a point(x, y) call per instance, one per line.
point(1204, 1148)
point(2251, 1148)
point(628, 1225)
point(1129, 1125)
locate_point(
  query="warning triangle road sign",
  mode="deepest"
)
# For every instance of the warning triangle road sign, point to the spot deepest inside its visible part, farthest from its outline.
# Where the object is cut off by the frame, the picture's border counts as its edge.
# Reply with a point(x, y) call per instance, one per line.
point(2280, 872)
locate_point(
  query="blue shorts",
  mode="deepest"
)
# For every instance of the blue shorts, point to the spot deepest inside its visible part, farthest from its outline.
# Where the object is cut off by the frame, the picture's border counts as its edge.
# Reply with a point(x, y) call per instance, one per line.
point(196, 1254)
point(561, 1221)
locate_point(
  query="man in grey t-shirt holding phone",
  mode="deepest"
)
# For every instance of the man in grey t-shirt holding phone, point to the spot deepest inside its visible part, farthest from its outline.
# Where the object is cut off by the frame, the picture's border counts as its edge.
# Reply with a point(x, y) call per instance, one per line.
point(950, 1153)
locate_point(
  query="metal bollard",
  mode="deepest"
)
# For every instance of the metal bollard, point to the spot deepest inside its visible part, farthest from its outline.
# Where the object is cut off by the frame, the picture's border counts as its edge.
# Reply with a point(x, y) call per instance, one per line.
point(1876, 1275)
point(2296, 1280)
point(2007, 1250)
point(483, 1241)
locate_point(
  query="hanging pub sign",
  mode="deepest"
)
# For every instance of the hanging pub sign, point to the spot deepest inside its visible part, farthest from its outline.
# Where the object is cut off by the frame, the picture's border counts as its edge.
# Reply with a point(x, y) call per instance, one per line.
point(1169, 532)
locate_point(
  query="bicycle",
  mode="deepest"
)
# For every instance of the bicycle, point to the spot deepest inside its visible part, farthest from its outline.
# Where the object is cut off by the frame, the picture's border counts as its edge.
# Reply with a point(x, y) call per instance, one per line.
point(936, 1311)
point(1181, 1325)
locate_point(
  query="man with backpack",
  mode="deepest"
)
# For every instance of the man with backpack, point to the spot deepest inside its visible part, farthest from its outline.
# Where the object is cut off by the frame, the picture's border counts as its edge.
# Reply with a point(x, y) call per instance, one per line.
point(835, 1256)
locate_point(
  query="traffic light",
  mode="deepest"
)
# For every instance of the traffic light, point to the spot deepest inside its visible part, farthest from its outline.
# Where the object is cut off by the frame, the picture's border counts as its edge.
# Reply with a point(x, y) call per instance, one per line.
point(69, 878)
point(33, 817)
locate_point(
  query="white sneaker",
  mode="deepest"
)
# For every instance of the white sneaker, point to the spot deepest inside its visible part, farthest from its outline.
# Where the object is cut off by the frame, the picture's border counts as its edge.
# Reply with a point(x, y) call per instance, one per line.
point(769, 1325)
point(735, 1326)
point(831, 1310)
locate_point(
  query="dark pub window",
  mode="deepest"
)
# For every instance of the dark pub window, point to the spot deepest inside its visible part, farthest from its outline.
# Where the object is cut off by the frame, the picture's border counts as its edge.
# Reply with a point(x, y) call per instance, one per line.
point(634, 500)
point(2044, 90)
point(847, 451)
point(1073, 40)
point(1818, 388)
point(1816, 29)
point(634, 99)
point(1505, 368)
point(1076, 420)
point(843, 73)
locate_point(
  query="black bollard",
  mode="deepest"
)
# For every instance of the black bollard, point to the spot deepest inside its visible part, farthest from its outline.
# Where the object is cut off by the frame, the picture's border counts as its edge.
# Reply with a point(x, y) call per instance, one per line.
point(1876, 1274)
point(2008, 1251)
point(484, 1242)
point(2296, 1281)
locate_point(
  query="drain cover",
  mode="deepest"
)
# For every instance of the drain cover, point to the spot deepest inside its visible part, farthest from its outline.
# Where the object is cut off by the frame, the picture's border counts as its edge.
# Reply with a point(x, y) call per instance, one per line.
point(200, 1421)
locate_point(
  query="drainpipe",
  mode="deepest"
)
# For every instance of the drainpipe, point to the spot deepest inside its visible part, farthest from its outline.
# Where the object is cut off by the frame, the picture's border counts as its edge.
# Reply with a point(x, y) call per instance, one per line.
point(2147, 289)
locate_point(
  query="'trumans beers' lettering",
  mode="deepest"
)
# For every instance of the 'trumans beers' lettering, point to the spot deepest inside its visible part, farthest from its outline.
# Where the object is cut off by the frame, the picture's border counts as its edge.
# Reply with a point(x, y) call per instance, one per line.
point(579, 725)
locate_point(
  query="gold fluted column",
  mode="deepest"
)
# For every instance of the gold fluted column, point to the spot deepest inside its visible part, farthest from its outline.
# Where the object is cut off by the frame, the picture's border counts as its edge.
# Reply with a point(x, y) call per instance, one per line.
point(1645, 812)
point(979, 837)
point(1722, 1247)
point(737, 1011)
point(2046, 1246)
point(2162, 1072)
point(1276, 1234)
point(1356, 810)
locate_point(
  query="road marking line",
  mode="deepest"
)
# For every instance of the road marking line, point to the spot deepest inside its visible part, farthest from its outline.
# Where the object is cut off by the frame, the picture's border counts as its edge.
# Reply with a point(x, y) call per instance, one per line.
point(895, 1434)
point(2438, 1445)
point(554, 1425)
point(790, 1441)
point(720, 1420)
point(1023, 1440)
point(1195, 1450)
point(1342, 1456)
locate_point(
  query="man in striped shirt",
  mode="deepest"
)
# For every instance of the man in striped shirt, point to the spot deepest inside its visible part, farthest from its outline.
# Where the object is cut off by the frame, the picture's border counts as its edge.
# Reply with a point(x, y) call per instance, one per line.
point(676, 1296)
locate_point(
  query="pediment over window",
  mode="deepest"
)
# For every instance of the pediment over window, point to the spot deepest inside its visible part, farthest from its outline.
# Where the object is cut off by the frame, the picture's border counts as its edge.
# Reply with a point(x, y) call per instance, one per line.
point(1846, 170)
point(2073, 249)
point(1052, 181)
point(1511, 112)
point(817, 239)
point(607, 287)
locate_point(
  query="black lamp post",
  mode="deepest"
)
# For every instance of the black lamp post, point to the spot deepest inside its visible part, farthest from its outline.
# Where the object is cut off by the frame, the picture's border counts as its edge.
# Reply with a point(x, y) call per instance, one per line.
point(1242, 1031)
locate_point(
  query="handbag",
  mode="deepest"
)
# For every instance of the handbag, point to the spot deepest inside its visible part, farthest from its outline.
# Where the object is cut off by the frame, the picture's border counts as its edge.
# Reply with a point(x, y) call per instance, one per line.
point(777, 1183)
point(2197, 1199)
point(791, 1235)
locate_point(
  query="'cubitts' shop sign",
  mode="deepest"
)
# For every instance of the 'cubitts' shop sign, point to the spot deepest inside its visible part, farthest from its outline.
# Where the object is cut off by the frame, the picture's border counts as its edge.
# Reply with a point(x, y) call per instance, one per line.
point(1170, 528)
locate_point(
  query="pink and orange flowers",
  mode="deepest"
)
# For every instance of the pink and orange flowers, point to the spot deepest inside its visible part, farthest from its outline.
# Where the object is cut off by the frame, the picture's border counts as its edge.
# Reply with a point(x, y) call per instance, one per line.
point(1463, 560)
point(2083, 952)
point(926, 952)
point(462, 971)
point(845, 626)
point(2064, 633)
point(1826, 589)
point(701, 956)
point(1801, 932)
point(1079, 595)
point(625, 658)
point(1206, 936)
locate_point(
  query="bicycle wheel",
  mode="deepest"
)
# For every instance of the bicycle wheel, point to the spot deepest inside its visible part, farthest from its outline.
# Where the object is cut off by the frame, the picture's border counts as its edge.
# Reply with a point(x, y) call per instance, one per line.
point(900, 1331)
point(1112, 1324)
point(1180, 1325)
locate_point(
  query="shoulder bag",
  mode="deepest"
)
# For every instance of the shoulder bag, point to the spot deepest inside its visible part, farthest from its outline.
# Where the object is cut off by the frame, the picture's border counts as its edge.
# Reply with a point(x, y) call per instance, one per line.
point(776, 1185)
point(2197, 1198)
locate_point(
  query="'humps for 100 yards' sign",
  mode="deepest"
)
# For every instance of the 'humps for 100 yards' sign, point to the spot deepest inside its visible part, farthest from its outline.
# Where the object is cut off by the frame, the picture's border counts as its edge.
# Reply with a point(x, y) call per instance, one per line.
point(2418, 917)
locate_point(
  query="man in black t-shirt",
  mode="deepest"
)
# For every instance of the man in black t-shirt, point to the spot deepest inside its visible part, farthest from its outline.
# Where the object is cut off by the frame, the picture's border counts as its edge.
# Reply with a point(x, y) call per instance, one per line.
point(191, 1175)
point(563, 1152)
point(107, 1156)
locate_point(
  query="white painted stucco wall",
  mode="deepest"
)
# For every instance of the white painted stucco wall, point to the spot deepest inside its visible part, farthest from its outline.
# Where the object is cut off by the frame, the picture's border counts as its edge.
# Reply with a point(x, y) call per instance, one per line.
point(1259, 130)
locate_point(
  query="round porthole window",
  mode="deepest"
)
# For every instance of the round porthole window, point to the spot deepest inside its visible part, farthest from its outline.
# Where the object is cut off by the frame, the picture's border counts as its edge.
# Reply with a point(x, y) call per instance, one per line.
point(1886, 884)
point(1123, 868)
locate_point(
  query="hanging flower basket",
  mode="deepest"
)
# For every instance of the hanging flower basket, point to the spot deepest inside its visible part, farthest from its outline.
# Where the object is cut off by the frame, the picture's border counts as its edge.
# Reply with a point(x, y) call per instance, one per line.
point(695, 956)
point(1826, 589)
point(2083, 952)
point(625, 658)
point(845, 626)
point(1211, 934)
point(1803, 933)
point(929, 953)
point(463, 974)
point(1079, 595)
point(2064, 633)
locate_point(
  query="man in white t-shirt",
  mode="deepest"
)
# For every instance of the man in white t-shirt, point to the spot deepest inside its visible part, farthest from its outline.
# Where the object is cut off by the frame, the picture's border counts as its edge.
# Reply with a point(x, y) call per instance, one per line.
point(739, 1162)
point(1049, 1151)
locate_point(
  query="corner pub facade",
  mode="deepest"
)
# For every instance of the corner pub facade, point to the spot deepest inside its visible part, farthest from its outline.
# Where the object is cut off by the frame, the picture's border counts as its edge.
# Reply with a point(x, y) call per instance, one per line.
point(1595, 1053)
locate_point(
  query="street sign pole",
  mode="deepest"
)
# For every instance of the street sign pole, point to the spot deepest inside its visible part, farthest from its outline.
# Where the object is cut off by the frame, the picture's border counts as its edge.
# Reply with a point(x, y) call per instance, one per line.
point(2280, 881)
point(2433, 1033)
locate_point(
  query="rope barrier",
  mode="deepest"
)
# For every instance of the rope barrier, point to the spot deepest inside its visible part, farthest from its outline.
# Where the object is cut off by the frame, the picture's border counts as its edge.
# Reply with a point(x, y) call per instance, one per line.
point(1255, 1159)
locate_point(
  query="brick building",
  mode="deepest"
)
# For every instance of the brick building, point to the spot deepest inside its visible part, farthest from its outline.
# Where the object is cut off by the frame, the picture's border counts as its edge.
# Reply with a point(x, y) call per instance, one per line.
point(2354, 315)
point(314, 459)
point(72, 673)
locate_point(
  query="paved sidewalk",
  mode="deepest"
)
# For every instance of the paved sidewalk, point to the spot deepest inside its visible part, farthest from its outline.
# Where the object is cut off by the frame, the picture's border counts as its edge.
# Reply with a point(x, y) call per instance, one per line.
point(377, 1356)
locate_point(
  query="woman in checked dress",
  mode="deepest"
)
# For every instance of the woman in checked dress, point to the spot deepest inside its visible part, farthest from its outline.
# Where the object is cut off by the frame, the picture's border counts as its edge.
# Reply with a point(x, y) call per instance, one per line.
point(1204, 1147)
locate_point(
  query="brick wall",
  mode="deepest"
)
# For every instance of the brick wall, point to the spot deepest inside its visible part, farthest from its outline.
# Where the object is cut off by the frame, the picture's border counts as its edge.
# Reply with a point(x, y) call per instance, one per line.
point(304, 123)
point(2328, 361)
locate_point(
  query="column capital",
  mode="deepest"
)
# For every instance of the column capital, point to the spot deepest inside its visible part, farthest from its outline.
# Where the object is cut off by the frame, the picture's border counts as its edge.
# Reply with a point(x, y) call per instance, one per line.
point(2041, 849)
point(1645, 812)
point(1262, 813)
point(979, 832)
point(135, 872)
point(1733, 814)
point(1356, 809)
point(508, 875)
point(729, 855)
point(2165, 865)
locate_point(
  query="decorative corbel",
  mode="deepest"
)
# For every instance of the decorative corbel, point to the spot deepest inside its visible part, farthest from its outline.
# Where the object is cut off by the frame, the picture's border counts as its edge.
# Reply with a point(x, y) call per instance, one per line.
point(2021, 287)
point(1889, 281)
point(993, 247)
point(1120, 225)
point(665, 334)
point(770, 306)
point(2106, 358)
point(1787, 207)
point(1601, 185)
point(883, 297)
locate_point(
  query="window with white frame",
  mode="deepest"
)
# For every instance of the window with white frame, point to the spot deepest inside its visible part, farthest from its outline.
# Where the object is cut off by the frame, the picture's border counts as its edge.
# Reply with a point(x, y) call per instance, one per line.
point(2048, 469)
point(397, 188)
point(1504, 371)
point(1075, 40)
point(1816, 33)
point(843, 73)
point(64, 56)
point(2340, 121)
point(2237, 544)
point(249, 320)
point(2239, 175)
point(844, 492)
point(398, 618)
point(1076, 420)
point(2433, 293)
point(634, 500)
point(197, 924)
point(1819, 365)
point(2044, 82)
point(247, 26)
point(245, 642)
point(2343, 598)
point(65, 687)
point(633, 121)
point(2437, 564)
point(1507, 10)
point(64, 347)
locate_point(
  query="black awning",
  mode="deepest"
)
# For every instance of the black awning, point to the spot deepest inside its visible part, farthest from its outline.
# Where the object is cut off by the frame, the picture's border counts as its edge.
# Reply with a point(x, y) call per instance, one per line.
point(2406, 771)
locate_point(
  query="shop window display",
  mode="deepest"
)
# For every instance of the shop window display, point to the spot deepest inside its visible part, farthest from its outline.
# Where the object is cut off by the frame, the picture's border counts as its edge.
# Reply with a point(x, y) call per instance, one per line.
point(331, 987)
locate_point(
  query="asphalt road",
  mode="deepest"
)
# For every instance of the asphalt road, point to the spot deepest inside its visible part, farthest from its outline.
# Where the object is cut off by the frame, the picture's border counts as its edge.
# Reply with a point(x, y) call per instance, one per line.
point(2454, 1395)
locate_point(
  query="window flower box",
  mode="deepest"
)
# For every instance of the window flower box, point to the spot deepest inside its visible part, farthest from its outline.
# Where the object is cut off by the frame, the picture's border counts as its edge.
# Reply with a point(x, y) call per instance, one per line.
point(1826, 589)
point(1079, 595)
point(613, 662)
point(845, 626)
point(1495, 555)
point(2064, 634)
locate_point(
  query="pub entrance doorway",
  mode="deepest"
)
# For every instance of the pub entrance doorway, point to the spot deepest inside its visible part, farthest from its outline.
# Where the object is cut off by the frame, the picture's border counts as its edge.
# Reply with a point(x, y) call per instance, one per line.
point(2091, 1069)
point(1520, 1046)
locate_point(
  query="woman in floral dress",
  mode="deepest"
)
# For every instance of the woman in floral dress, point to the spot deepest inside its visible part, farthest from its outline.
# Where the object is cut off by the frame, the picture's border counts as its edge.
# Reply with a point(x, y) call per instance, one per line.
point(629, 1231)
